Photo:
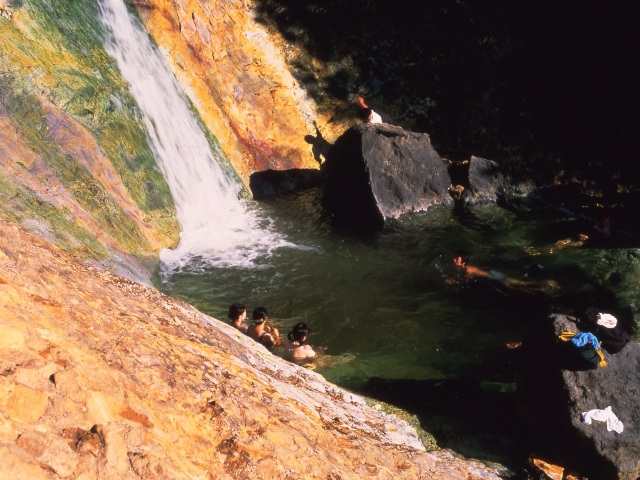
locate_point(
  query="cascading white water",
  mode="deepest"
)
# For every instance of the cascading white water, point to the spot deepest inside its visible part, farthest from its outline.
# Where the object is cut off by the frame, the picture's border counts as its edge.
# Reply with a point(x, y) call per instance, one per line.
point(216, 227)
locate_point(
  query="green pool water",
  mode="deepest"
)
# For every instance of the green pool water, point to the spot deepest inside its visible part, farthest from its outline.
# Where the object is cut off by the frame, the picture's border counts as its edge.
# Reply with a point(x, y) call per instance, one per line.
point(381, 306)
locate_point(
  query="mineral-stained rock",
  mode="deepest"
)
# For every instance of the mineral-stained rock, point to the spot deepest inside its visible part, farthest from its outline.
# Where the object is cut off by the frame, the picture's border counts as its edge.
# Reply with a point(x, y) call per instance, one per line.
point(104, 378)
point(236, 75)
point(553, 396)
point(377, 172)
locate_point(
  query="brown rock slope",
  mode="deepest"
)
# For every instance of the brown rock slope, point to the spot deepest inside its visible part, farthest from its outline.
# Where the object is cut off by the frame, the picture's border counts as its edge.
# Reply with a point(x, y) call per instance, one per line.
point(102, 378)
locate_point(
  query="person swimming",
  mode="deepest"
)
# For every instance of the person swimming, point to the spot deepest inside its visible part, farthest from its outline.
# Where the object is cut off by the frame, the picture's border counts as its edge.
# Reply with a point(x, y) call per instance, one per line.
point(294, 346)
point(237, 315)
point(469, 272)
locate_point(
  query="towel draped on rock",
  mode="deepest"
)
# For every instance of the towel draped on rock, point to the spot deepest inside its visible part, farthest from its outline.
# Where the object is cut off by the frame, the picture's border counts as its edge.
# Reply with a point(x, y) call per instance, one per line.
point(606, 415)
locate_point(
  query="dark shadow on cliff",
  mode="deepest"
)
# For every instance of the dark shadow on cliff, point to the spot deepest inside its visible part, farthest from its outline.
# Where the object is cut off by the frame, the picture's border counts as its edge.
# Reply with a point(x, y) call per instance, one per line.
point(320, 147)
point(543, 87)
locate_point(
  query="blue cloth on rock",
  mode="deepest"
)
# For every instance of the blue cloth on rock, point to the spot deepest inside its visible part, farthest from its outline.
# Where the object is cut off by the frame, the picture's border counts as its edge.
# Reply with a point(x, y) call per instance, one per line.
point(584, 338)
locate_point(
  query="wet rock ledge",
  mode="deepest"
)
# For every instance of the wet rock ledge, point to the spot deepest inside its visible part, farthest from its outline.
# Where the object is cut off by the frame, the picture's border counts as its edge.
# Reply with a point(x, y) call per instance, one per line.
point(104, 378)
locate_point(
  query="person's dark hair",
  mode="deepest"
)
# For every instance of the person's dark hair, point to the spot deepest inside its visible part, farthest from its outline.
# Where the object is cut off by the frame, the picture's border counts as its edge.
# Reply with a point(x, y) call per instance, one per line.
point(299, 332)
point(364, 113)
point(235, 310)
point(259, 314)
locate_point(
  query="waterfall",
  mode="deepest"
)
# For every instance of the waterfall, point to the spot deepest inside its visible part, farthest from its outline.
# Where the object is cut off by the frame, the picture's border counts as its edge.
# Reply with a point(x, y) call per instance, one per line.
point(217, 227)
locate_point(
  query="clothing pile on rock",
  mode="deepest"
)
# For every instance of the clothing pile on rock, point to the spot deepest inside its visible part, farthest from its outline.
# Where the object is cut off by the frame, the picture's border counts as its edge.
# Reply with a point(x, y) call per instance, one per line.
point(611, 335)
point(586, 347)
point(599, 331)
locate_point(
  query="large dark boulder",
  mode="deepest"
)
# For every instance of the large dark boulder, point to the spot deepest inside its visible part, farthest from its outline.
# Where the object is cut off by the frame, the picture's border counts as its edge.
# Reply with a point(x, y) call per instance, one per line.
point(377, 172)
point(270, 183)
point(554, 390)
point(485, 182)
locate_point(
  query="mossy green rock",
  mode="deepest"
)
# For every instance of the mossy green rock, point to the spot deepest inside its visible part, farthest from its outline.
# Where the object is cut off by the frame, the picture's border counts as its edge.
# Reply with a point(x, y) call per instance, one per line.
point(76, 165)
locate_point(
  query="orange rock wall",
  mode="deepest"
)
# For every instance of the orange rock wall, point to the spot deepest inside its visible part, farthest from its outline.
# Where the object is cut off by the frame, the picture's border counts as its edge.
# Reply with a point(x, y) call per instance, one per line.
point(236, 76)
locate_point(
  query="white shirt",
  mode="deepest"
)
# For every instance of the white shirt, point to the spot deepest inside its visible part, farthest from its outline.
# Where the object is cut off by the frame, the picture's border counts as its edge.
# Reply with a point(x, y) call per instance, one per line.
point(375, 118)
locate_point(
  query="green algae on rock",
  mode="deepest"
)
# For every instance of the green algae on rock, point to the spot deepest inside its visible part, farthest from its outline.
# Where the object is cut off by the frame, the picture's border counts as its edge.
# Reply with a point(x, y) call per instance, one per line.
point(72, 128)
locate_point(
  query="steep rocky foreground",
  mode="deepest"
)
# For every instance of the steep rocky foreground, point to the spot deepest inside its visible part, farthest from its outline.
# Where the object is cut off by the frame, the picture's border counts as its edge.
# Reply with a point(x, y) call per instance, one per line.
point(102, 378)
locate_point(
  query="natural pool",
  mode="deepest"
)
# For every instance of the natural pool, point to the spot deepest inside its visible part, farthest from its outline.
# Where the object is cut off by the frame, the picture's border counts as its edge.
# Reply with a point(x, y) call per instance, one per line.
point(381, 306)
point(390, 325)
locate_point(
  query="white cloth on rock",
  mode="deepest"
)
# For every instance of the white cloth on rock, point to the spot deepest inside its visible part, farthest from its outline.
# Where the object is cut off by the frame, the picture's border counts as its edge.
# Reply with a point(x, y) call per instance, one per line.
point(607, 320)
point(606, 415)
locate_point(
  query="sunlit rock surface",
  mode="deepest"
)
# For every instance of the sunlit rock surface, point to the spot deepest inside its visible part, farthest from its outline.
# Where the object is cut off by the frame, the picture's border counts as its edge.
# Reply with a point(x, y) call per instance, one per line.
point(75, 165)
point(236, 75)
point(101, 377)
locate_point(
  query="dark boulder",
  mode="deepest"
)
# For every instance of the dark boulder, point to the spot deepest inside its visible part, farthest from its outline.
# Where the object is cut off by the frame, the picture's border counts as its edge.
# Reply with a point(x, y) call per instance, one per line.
point(554, 389)
point(485, 182)
point(377, 172)
point(270, 183)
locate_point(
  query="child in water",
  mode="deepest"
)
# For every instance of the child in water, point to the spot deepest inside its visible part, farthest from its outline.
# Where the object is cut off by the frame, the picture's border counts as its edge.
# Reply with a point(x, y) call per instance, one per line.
point(260, 332)
point(294, 347)
point(237, 315)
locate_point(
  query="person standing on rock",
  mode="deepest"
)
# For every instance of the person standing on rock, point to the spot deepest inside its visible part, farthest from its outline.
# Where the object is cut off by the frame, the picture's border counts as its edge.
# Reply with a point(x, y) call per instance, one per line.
point(260, 332)
point(237, 315)
point(366, 114)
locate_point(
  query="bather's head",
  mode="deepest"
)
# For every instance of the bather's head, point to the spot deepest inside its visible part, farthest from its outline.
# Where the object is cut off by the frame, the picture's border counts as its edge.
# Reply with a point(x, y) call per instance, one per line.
point(365, 114)
point(237, 311)
point(460, 258)
point(259, 315)
point(299, 333)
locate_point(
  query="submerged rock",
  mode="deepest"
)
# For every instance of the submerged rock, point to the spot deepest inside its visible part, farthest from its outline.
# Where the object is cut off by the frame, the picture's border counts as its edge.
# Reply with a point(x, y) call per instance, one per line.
point(377, 172)
point(277, 182)
point(554, 395)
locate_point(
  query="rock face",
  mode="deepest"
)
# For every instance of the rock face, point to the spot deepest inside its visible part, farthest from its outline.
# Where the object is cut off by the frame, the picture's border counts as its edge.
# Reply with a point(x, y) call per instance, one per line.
point(377, 172)
point(236, 75)
point(76, 164)
point(277, 182)
point(104, 378)
point(485, 182)
point(553, 397)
